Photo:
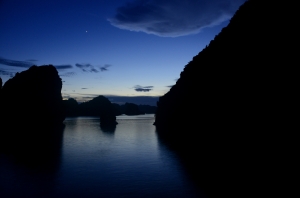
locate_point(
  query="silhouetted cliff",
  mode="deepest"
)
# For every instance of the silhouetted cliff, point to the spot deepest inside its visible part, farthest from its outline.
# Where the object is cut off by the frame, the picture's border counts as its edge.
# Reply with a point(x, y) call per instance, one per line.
point(0, 100)
point(33, 97)
point(0, 92)
point(31, 110)
point(235, 80)
point(228, 101)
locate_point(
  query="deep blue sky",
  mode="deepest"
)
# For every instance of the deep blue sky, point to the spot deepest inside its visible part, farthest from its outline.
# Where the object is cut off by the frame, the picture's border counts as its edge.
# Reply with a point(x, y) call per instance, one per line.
point(109, 47)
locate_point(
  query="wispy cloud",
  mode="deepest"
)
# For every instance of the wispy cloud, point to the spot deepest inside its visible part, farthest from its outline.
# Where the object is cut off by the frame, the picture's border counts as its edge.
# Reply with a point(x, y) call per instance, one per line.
point(94, 70)
point(83, 97)
point(28, 63)
point(172, 18)
point(170, 86)
point(82, 66)
point(68, 74)
point(31, 60)
point(84, 88)
point(63, 67)
point(90, 68)
point(15, 63)
point(139, 88)
point(6, 73)
point(86, 67)
point(104, 68)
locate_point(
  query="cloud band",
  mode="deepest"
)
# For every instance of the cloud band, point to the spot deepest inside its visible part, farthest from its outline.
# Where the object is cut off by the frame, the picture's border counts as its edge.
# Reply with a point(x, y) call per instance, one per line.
point(173, 18)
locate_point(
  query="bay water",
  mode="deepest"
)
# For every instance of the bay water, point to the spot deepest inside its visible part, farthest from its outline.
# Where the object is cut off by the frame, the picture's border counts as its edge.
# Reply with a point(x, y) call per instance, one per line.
point(92, 161)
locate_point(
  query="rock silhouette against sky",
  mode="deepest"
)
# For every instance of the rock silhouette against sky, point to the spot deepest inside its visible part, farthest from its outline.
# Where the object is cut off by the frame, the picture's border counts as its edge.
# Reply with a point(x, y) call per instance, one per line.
point(229, 102)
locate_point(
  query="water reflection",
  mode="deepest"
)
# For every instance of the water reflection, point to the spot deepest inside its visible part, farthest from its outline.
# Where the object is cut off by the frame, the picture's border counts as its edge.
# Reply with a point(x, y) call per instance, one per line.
point(30, 160)
point(128, 164)
point(36, 146)
point(189, 160)
point(88, 161)
point(108, 129)
point(213, 163)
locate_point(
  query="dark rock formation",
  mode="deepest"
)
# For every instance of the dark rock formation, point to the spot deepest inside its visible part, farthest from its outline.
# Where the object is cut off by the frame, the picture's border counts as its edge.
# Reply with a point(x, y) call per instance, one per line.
point(228, 101)
point(118, 110)
point(71, 107)
point(131, 109)
point(233, 82)
point(0, 100)
point(0, 92)
point(33, 97)
point(99, 106)
point(148, 109)
point(31, 112)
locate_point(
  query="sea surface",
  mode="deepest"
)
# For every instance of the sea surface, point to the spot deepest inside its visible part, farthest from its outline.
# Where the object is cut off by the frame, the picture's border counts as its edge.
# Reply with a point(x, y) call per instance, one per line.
point(91, 161)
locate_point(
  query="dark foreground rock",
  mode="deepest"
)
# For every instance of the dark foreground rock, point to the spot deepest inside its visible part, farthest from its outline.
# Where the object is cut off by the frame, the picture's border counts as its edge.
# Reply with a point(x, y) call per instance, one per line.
point(31, 109)
point(0, 96)
point(222, 114)
point(33, 97)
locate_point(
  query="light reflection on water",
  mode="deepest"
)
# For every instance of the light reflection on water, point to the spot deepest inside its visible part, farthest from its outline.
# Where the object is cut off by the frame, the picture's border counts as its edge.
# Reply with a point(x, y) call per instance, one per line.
point(125, 162)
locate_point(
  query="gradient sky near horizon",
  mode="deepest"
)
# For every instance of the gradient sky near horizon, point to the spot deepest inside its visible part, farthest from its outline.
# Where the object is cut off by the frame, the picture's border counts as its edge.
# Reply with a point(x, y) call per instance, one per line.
point(109, 47)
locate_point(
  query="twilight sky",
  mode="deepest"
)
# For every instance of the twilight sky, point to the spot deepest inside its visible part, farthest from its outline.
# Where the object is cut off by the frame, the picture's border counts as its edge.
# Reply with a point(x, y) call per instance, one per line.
point(109, 47)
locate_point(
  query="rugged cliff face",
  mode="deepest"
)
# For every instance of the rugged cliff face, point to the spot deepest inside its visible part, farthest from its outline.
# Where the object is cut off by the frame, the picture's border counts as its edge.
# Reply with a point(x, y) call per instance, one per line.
point(0, 92)
point(33, 97)
point(234, 82)
point(223, 112)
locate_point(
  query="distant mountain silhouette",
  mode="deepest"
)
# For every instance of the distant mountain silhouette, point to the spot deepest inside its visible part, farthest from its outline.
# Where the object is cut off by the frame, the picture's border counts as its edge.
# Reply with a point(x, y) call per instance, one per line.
point(229, 100)
point(127, 109)
point(118, 110)
point(148, 109)
point(132, 109)
point(75, 109)
point(71, 107)
point(98, 106)
point(33, 97)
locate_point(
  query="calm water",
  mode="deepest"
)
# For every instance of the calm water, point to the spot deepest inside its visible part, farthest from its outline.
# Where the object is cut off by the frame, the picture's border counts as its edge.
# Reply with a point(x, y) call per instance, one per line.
point(93, 162)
